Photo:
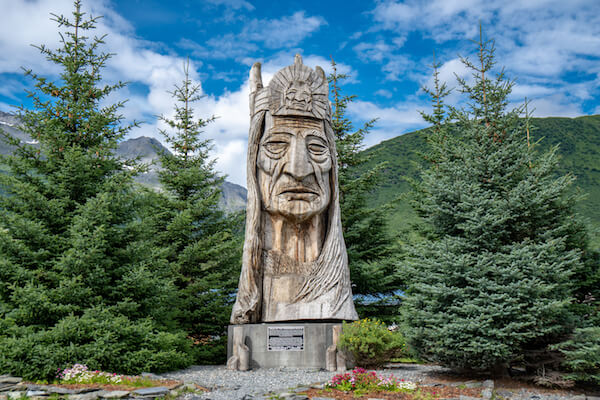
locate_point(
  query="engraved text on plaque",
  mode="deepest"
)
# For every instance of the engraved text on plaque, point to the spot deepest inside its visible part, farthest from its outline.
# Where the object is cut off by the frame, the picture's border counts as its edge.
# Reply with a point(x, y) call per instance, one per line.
point(290, 338)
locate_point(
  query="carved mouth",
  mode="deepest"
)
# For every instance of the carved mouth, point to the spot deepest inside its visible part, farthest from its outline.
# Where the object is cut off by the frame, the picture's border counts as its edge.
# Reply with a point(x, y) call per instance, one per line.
point(299, 190)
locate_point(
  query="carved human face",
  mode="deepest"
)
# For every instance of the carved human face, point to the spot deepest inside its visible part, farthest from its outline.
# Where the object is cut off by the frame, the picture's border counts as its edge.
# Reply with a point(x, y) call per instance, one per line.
point(298, 96)
point(294, 163)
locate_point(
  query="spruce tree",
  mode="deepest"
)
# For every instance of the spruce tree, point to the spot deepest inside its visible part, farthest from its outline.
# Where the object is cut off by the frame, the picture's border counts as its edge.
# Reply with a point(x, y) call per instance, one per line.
point(368, 241)
point(79, 279)
point(203, 243)
point(490, 283)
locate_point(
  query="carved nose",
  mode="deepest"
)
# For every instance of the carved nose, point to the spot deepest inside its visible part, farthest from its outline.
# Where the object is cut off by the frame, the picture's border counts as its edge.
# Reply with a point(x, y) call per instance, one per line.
point(299, 166)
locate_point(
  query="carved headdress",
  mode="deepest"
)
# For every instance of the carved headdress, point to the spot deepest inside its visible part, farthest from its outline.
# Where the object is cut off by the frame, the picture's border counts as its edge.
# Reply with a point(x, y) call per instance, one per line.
point(296, 91)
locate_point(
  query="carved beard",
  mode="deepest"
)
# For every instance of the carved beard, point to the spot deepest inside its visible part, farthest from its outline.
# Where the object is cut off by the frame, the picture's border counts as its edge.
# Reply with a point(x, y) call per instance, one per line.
point(294, 164)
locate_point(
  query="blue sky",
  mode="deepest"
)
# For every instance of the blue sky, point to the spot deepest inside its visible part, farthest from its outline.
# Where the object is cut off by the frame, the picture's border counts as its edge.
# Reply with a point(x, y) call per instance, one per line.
point(551, 48)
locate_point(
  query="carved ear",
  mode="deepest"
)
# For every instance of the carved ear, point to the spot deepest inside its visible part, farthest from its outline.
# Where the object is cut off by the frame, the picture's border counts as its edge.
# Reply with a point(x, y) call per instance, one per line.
point(298, 59)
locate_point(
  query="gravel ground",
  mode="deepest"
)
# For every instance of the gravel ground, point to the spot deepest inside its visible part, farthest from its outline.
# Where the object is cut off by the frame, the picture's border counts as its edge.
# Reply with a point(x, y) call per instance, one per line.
point(226, 385)
point(258, 384)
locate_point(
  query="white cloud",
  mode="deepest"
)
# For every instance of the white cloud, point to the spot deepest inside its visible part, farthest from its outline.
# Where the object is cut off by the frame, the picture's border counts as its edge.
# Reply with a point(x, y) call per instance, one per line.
point(542, 37)
point(377, 51)
point(15, 41)
point(285, 32)
point(384, 93)
point(391, 121)
point(554, 105)
point(233, 4)
point(543, 43)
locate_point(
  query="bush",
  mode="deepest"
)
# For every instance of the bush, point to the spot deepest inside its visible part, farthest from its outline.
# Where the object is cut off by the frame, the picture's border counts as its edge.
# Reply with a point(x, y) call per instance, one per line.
point(361, 381)
point(101, 339)
point(582, 355)
point(371, 343)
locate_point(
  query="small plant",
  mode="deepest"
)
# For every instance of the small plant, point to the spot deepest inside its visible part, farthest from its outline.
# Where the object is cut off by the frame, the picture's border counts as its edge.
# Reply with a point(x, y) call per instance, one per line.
point(582, 355)
point(371, 343)
point(80, 374)
point(363, 381)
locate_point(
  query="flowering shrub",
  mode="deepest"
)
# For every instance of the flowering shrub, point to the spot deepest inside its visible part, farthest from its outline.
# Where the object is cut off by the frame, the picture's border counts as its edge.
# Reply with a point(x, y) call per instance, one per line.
point(371, 343)
point(79, 373)
point(363, 381)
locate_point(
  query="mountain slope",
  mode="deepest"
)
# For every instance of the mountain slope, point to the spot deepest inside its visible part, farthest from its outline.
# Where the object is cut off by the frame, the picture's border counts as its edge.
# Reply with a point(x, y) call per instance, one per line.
point(145, 150)
point(579, 147)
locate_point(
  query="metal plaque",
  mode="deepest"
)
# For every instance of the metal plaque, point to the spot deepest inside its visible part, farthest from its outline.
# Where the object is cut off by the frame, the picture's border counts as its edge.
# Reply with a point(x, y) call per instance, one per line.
point(285, 338)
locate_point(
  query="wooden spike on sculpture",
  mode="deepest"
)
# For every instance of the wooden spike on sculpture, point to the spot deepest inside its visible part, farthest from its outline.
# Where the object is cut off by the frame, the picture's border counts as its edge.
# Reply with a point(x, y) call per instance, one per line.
point(255, 83)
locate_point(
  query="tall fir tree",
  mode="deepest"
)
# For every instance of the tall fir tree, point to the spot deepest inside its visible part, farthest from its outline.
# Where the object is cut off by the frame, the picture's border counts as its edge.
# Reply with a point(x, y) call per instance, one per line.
point(79, 279)
point(204, 243)
point(370, 245)
point(490, 283)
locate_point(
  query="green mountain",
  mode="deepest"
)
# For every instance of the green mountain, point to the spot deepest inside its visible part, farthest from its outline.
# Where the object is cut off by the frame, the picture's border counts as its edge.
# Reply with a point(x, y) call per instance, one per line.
point(579, 146)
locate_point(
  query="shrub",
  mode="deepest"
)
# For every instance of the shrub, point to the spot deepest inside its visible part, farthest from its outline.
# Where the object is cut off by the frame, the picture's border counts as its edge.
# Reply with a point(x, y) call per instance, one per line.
point(81, 374)
point(363, 381)
point(371, 343)
point(582, 355)
point(100, 339)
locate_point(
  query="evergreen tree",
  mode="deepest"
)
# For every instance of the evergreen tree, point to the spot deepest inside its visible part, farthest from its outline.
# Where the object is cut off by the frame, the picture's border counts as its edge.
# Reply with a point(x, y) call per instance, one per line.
point(204, 243)
point(369, 243)
point(490, 284)
point(74, 248)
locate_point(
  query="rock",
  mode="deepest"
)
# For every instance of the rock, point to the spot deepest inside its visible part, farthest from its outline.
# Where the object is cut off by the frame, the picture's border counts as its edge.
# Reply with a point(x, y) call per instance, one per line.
point(115, 394)
point(505, 394)
point(8, 387)
point(488, 384)
point(60, 390)
point(435, 384)
point(10, 379)
point(593, 398)
point(3, 397)
point(36, 393)
point(487, 394)
point(461, 397)
point(151, 391)
point(473, 384)
point(14, 395)
point(301, 389)
point(88, 396)
point(323, 398)
point(580, 397)
point(317, 386)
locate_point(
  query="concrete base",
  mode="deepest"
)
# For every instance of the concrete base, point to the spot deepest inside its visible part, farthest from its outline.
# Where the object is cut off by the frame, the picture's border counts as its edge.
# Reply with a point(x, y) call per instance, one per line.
point(285, 344)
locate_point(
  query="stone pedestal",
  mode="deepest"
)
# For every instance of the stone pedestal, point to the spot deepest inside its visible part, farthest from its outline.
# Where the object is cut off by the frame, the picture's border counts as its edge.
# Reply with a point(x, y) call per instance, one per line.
point(286, 344)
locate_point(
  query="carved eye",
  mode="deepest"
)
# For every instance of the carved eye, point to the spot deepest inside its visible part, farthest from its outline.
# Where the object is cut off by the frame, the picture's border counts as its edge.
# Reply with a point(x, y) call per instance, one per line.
point(317, 148)
point(276, 147)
